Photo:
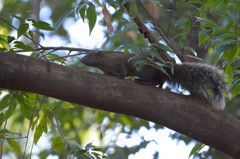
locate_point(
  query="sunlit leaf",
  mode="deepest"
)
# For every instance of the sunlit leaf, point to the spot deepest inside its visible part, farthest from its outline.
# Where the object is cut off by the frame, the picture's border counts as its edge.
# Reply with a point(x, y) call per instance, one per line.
point(14, 145)
point(12, 106)
point(58, 144)
point(67, 105)
point(196, 149)
point(42, 127)
point(4, 45)
point(4, 102)
point(26, 110)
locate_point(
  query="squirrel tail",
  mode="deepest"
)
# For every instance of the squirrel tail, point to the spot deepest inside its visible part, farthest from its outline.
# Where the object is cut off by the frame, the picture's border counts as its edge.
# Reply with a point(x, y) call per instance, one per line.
point(202, 79)
point(218, 100)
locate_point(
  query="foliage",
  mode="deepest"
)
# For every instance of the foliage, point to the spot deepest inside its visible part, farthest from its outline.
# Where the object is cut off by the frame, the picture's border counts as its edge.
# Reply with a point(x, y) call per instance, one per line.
point(67, 125)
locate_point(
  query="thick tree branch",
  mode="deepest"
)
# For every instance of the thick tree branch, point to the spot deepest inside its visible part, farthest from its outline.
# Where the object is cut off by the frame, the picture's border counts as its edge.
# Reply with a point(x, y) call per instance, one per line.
point(186, 114)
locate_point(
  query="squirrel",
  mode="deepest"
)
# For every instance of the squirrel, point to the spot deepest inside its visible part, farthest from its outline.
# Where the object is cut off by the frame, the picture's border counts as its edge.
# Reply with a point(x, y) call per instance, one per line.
point(198, 78)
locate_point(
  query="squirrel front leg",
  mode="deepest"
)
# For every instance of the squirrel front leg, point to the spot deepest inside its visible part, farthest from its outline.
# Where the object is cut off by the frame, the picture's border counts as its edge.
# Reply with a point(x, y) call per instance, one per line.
point(123, 71)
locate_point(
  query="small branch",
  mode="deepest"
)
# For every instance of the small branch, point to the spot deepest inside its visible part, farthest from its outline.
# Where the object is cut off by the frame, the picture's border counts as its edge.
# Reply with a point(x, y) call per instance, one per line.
point(162, 33)
point(69, 49)
point(147, 34)
point(36, 44)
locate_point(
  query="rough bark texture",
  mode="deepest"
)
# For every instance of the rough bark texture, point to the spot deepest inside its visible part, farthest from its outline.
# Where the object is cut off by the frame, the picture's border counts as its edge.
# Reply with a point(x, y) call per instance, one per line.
point(186, 114)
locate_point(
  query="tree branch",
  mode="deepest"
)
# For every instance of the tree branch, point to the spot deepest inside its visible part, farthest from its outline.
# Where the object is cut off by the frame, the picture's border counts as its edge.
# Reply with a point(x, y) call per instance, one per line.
point(188, 115)
point(148, 35)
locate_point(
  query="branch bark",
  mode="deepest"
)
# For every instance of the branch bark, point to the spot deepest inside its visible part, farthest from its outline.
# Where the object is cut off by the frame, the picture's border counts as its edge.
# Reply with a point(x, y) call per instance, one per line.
point(189, 115)
point(148, 35)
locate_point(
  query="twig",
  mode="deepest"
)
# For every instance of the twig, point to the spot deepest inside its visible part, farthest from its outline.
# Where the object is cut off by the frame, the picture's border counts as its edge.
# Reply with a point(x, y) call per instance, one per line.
point(31, 120)
point(5, 124)
point(162, 33)
point(35, 43)
point(147, 34)
point(44, 97)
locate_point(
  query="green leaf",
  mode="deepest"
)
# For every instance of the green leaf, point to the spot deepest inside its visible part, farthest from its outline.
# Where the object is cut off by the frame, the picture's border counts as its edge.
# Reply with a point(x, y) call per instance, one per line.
point(40, 33)
point(4, 45)
point(63, 17)
point(81, 9)
point(162, 47)
point(89, 146)
point(3, 38)
point(58, 144)
point(229, 71)
point(139, 63)
point(26, 110)
point(42, 127)
point(225, 42)
point(212, 4)
point(202, 38)
point(4, 102)
point(185, 42)
point(22, 29)
point(31, 34)
point(235, 90)
point(231, 54)
point(17, 17)
point(221, 13)
point(195, 1)
point(160, 67)
point(92, 17)
point(32, 21)
point(67, 105)
point(206, 22)
point(4, 131)
point(14, 145)
point(1, 119)
point(204, 31)
point(12, 107)
point(43, 25)
point(219, 35)
point(21, 45)
point(181, 21)
point(10, 39)
point(126, 51)
point(133, 10)
point(223, 48)
point(83, 12)
point(196, 149)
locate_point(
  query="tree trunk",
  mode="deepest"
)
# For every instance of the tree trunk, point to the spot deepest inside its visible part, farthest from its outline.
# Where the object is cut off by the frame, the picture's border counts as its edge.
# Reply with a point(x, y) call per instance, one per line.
point(188, 115)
